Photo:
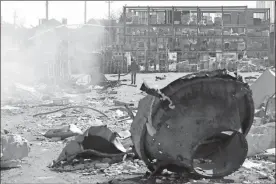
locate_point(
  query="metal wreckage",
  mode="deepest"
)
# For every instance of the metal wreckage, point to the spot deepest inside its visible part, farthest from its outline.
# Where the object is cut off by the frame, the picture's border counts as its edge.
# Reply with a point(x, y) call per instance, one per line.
point(196, 124)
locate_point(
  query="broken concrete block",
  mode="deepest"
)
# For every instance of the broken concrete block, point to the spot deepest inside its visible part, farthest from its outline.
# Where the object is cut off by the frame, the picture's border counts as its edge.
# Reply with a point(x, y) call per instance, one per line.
point(13, 148)
point(101, 165)
point(261, 138)
point(107, 160)
point(268, 155)
point(64, 132)
point(119, 103)
point(260, 112)
point(124, 134)
point(263, 87)
point(10, 164)
point(257, 121)
point(61, 101)
point(84, 80)
point(71, 149)
point(129, 167)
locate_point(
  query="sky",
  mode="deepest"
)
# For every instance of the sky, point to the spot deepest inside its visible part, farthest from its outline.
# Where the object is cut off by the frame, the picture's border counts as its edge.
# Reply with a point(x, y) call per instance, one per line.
point(28, 13)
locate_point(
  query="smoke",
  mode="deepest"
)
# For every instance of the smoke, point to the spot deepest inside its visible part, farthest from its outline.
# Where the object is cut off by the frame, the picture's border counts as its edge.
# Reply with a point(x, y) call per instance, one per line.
point(41, 54)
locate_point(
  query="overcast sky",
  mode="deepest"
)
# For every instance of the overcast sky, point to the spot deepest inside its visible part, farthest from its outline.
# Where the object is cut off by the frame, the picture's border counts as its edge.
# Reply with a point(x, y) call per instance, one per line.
point(28, 12)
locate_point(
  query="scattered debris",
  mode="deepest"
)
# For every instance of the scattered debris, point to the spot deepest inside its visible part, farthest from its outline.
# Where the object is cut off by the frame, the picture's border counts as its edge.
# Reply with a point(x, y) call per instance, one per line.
point(269, 155)
point(250, 78)
point(119, 103)
point(63, 133)
point(124, 134)
point(11, 109)
point(8, 107)
point(61, 101)
point(160, 78)
point(83, 80)
point(260, 138)
point(119, 113)
point(98, 153)
point(83, 107)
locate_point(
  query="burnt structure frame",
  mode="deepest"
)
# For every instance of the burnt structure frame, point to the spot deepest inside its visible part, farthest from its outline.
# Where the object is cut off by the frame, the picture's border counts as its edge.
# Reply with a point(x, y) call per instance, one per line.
point(199, 10)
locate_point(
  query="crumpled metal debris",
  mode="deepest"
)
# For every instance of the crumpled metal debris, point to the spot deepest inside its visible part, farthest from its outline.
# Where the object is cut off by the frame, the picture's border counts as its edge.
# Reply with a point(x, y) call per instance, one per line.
point(204, 133)
point(97, 141)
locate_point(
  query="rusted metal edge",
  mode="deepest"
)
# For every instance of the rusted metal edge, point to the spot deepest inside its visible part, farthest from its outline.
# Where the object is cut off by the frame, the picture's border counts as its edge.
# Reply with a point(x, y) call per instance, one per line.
point(248, 121)
point(233, 169)
point(187, 80)
point(222, 74)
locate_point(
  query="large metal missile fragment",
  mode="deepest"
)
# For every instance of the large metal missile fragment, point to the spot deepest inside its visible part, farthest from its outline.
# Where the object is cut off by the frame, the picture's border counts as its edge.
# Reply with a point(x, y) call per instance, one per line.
point(197, 123)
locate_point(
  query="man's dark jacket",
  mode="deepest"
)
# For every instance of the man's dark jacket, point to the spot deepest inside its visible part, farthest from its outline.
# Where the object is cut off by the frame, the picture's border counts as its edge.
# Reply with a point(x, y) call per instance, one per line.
point(134, 67)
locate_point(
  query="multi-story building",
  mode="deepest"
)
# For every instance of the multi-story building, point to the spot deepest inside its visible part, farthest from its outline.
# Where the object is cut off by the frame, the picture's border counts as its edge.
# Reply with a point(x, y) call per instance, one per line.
point(271, 6)
point(195, 34)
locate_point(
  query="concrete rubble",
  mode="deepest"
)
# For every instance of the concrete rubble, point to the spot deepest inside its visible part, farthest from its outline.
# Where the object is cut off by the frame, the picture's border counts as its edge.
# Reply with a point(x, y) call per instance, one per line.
point(64, 132)
point(13, 149)
point(98, 145)
point(263, 87)
point(261, 138)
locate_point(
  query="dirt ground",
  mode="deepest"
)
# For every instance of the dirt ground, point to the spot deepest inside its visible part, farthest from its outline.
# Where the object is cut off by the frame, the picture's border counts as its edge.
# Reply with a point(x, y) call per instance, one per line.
point(43, 151)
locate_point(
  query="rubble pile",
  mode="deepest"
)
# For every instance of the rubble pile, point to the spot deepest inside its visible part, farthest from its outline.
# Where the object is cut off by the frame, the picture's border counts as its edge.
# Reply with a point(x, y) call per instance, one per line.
point(96, 133)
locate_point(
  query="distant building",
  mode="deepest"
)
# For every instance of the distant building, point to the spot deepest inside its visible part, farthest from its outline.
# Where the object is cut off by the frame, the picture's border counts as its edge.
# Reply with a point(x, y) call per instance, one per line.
point(271, 6)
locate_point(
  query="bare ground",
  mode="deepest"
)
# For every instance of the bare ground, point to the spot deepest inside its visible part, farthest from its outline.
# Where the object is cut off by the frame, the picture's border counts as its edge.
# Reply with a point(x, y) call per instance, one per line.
point(43, 151)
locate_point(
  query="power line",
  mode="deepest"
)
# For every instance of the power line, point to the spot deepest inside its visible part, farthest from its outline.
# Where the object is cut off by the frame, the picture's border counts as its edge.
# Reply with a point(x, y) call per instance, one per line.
point(109, 20)
point(15, 18)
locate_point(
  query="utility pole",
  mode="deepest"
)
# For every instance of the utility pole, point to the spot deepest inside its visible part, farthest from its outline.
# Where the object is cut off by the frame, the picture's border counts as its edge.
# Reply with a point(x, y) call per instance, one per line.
point(109, 19)
point(14, 17)
point(47, 10)
point(109, 12)
point(85, 12)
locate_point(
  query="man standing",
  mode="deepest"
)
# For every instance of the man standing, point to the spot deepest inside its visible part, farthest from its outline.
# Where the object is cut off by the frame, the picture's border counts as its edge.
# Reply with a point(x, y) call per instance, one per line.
point(134, 68)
